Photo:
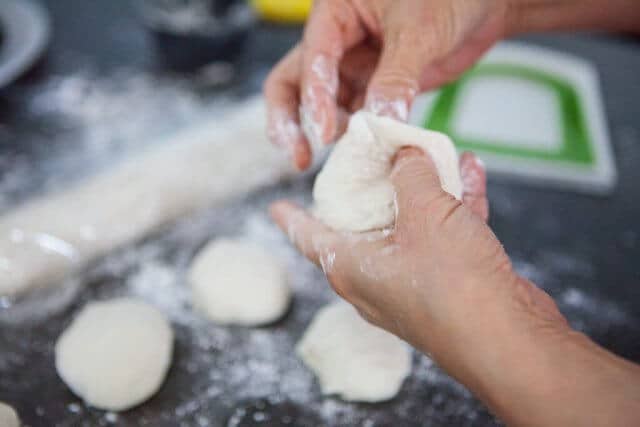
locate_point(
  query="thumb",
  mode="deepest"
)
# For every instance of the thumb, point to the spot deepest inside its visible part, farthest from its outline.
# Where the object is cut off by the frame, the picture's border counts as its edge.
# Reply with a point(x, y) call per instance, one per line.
point(416, 182)
point(396, 81)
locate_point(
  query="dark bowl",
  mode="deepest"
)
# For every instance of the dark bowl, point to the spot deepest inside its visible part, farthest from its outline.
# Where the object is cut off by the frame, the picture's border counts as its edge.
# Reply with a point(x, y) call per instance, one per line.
point(187, 46)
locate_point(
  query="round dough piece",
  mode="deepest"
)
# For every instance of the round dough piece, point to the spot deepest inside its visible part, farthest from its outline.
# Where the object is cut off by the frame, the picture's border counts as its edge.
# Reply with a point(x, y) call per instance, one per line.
point(239, 282)
point(115, 354)
point(352, 358)
point(8, 416)
point(353, 191)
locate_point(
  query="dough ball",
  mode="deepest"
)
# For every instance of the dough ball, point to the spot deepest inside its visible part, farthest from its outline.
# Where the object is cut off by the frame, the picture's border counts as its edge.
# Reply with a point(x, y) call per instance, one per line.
point(115, 354)
point(353, 191)
point(8, 416)
point(352, 358)
point(238, 282)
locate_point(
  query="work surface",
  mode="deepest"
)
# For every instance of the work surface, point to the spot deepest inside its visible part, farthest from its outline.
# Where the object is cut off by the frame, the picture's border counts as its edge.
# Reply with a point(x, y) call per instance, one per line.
point(98, 93)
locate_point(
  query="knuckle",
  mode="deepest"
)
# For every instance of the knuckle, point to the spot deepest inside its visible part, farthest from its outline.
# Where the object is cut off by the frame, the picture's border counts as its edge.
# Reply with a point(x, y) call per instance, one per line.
point(443, 210)
point(399, 78)
point(433, 213)
point(429, 206)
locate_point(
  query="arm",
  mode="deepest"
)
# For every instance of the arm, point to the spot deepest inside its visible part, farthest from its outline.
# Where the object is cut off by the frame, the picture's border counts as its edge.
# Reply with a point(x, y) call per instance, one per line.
point(443, 282)
point(553, 15)
point(531, 369)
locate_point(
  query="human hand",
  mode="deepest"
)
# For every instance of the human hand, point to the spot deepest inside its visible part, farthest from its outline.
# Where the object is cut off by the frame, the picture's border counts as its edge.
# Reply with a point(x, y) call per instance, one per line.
point(440, 279)
point(376, 54)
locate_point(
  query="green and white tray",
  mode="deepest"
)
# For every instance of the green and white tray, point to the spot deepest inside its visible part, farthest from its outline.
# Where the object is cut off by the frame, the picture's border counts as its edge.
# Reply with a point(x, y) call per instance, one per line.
point(530, 113)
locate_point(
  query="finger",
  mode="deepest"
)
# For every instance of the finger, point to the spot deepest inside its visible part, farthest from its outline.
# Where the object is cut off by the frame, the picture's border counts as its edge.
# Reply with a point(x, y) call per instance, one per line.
point(396, 80)
point(358, 65)
point(333, 28)
point(312, 238)
point(454, 65)
point(281, 91)
point(356, 70)
point(416, 182)
point(474, 180)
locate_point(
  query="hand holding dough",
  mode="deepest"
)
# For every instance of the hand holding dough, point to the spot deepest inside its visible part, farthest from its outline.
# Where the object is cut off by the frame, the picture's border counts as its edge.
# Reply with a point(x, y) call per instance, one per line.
point(353, 191)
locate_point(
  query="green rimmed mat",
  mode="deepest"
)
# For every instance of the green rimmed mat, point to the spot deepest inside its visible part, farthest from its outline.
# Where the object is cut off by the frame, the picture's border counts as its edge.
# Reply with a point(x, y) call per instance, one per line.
point(530, 113)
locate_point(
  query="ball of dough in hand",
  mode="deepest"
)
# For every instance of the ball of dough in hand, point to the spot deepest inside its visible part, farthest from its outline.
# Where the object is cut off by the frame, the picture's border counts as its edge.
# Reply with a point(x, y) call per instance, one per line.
point(238, 282)
point(8, 416)
point(353, 192)
point(353, 359)
point(115, 354)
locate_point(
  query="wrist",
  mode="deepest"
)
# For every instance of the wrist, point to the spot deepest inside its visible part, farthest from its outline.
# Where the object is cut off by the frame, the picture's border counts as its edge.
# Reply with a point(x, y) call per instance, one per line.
point(490, 322)
point(519, 355)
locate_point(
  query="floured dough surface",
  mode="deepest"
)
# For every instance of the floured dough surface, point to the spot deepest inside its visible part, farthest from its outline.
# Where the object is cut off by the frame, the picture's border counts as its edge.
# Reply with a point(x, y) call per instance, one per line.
point(45, 240)
point(353, 191)
point(353, 359)
point(239, 282)
point(115, 354)
point(8, 416)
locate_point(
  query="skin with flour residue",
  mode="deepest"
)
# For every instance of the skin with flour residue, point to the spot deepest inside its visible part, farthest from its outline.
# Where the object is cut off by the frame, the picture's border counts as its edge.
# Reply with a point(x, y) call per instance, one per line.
point(396, 108)
point(442, 281)
point(376, 55)
point(447, 286)
point(282, 130)
point(317, 110)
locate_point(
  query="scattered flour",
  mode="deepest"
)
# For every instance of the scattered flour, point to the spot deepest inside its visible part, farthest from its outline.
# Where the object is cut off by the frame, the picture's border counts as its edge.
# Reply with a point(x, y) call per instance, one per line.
point(249, 376)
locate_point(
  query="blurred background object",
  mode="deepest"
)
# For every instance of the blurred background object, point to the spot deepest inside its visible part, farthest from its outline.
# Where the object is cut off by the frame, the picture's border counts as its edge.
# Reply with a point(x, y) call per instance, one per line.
point(190, 34)
point(531, 114)
point(24, 34)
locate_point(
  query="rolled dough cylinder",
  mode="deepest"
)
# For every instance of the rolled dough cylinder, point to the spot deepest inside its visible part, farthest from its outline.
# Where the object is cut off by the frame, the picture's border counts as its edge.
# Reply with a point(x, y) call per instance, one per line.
point(353, 359)
point(239, 282)
point(115, 354)
point(353, 191)
point(8, 416)
point(46, 239)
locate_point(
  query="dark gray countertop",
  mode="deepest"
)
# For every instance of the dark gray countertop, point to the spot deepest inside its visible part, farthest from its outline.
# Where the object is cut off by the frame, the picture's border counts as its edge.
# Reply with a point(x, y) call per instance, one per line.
point(584, 250)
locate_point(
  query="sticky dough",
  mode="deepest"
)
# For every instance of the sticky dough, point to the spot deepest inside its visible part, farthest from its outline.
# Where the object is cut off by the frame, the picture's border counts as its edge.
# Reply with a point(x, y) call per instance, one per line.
point(115, 354)
point(353, 359)
point(353, 191)
point(239, 282)
point(45, 240)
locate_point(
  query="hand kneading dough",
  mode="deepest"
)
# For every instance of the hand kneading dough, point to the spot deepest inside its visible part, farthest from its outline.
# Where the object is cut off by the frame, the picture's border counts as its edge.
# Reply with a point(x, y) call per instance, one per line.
point(8, 417)
point(352, 358)
point(353, 191)
point(115, 354)
point(237, 282)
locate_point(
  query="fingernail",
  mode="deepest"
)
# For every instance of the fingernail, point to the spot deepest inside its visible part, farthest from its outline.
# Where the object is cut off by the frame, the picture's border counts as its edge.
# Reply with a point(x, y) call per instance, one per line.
point(395, 108)
point(406, 153)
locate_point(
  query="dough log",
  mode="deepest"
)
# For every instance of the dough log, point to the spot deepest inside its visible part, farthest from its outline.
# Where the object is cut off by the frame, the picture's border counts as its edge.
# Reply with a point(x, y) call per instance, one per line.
point(45, 240)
